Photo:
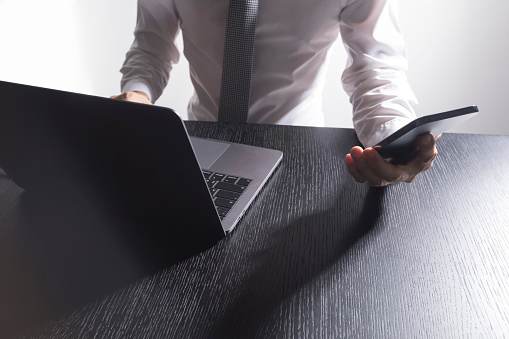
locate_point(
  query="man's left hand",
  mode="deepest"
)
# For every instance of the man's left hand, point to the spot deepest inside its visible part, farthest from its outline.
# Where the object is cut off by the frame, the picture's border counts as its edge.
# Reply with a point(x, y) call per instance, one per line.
point(368, 166)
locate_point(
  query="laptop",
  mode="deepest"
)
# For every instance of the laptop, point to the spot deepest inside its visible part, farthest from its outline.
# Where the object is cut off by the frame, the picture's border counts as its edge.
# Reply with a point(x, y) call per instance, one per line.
point(128, 159)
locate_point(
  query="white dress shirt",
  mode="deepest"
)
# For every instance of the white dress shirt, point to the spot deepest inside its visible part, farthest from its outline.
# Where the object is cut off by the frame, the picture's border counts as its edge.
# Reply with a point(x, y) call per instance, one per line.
point(292, 45)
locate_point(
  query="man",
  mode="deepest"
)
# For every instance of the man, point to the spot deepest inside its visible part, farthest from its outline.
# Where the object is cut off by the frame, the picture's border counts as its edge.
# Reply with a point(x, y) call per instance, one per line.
point(292, 43)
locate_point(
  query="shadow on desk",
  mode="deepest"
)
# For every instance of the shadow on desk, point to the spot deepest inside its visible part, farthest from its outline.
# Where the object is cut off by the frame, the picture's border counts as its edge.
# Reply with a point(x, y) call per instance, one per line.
point(297, 255)
point(66, 254)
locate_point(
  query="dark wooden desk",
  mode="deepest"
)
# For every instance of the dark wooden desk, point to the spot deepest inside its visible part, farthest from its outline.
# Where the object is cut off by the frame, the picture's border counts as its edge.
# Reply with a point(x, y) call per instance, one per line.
point(316, 256)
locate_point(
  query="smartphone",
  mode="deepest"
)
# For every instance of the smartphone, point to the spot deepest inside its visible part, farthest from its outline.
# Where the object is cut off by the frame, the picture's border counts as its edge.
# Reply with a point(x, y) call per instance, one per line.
point(399, 145)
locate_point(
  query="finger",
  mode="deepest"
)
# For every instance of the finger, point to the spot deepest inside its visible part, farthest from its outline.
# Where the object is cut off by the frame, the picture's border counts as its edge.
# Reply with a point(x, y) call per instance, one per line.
point(427, 146)
point(352, 169)
point(118, 97)
point(367, 172)
point(427, 153)
point(385, 170)
point(143, 94)
point(137, 96)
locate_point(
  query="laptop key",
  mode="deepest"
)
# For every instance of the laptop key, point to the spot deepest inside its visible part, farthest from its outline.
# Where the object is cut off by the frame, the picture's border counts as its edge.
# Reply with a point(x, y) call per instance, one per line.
point(206, 174)
point(227, 194)
point(222, 211)
point(224, 202)
point(244, 182)
point(210, 182)
point(230, 187)
point(218, 176)
point(231, 179)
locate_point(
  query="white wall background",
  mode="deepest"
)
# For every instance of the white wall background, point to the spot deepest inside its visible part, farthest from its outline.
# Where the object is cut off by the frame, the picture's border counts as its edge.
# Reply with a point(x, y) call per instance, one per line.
point(457, 49)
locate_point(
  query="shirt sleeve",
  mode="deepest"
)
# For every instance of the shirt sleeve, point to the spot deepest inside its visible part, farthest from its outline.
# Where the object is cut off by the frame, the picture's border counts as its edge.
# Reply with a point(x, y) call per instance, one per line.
point(151, 57)
point(375, 75)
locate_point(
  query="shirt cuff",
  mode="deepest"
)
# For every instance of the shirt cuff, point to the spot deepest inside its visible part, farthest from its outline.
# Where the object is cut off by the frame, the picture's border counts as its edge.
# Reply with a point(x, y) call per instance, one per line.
point(138, 85)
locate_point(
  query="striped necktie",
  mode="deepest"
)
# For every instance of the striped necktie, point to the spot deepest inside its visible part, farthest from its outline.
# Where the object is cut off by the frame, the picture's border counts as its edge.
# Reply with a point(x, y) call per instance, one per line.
point(238, 61)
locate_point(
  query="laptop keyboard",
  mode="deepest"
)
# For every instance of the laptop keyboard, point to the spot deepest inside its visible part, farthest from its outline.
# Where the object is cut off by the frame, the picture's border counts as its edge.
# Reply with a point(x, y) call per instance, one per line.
point(225, 189)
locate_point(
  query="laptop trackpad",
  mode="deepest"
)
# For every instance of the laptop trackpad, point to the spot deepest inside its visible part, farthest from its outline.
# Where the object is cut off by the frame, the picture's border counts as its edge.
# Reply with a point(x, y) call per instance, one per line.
point(208, 151)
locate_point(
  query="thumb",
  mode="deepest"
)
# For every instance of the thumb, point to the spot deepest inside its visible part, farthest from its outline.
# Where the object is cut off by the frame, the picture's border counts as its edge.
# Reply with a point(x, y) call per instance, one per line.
point(426, 146)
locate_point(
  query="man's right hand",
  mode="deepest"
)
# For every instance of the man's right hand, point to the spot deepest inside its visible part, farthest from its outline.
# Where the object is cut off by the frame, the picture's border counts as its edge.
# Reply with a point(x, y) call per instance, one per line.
point(135, 96)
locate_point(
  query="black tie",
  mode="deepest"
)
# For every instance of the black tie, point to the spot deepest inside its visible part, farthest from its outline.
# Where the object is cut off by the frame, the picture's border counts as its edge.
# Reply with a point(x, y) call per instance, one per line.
point(238, 61)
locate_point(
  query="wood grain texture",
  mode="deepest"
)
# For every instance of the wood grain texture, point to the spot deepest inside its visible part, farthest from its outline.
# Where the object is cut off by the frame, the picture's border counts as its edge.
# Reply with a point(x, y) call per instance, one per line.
point(320, 256)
